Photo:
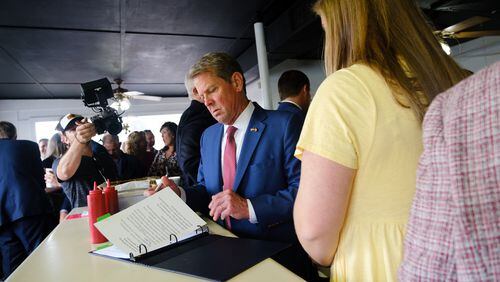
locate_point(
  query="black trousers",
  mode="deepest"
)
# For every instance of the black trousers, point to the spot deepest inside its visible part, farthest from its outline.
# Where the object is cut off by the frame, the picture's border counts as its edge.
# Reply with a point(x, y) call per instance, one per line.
point(19, 238)
point(297, 260)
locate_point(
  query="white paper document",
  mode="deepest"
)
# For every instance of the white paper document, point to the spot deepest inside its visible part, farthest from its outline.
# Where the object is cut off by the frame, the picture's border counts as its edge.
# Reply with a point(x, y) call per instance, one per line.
point(150, 223)
point(132, 185)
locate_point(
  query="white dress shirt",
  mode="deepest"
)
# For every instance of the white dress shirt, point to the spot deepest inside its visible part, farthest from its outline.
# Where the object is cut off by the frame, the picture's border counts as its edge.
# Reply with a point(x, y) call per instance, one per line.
point(292, 102)
point(241, 124)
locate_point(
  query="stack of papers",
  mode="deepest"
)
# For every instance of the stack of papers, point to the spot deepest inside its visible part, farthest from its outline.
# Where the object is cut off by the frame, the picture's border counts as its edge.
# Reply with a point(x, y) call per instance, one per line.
point(132, 185)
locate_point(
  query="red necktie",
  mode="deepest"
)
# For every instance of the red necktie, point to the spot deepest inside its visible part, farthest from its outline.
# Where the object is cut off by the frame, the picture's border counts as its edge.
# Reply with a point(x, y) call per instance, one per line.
point(229, 165)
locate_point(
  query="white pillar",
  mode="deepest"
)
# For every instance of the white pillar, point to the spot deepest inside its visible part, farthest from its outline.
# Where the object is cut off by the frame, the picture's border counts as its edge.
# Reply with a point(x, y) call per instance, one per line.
point(260, 43)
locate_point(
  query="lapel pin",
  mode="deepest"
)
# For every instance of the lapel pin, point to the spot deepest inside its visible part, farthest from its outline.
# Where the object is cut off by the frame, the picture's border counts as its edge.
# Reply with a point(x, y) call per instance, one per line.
point(254, 129)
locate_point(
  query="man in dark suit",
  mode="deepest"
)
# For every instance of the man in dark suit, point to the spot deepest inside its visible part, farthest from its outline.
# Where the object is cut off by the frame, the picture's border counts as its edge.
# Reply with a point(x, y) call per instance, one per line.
point(194, 120)
point(295, 93)
point(127, 166)
point(248, 177)
point(24, 207)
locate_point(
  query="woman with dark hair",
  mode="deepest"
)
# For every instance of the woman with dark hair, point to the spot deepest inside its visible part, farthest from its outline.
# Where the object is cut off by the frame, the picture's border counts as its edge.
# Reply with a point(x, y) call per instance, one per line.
point(362, 136)
point(165, 162)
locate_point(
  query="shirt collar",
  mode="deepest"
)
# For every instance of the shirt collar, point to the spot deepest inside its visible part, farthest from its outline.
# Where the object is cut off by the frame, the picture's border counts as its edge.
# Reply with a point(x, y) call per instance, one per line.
point(244, 119)
point(291, 102)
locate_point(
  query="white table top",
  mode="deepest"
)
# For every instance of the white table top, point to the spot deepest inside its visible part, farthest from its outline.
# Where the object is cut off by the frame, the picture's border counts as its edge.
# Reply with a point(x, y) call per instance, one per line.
point(63, 256)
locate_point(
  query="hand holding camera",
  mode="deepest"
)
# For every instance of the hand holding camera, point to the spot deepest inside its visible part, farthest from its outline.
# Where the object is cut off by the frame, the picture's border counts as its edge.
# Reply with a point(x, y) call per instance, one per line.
point(84, 131)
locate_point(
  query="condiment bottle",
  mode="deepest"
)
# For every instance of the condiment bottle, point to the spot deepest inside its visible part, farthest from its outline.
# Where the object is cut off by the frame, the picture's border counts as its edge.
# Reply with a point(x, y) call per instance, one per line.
point(95, 203)
point(111, 198)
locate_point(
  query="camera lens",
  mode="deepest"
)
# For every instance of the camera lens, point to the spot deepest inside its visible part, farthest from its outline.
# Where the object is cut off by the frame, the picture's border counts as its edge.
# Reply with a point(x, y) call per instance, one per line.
point(114, 127)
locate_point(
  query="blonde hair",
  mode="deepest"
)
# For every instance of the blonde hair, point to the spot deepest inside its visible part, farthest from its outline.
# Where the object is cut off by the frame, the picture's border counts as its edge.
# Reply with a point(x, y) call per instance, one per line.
point(393, 38)
point(134, 144)
point(55, 146)
point(125, 147)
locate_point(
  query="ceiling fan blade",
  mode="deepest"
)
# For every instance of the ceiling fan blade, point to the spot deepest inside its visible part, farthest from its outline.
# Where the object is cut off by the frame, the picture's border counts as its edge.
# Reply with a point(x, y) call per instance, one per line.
point(475, 34)
point(133, 93)
point(147, 98)
point(470, 22)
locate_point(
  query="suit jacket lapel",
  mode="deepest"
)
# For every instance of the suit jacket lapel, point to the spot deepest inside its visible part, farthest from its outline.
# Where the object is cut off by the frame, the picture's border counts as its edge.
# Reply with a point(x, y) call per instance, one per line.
point(252, 137)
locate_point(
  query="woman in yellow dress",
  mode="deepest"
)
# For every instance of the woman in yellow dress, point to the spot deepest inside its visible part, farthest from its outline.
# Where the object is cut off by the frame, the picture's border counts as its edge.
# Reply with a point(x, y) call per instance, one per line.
point(361, 140)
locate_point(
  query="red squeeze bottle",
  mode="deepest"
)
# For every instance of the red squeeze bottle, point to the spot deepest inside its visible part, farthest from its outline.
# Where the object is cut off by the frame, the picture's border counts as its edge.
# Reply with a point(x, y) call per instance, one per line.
point(95, 203)
point(111, 198)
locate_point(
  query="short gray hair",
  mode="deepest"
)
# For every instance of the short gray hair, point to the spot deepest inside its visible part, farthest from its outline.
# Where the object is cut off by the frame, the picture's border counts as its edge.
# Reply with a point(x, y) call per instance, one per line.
point(219, 64)
point(189, 84)
point(110, 137)
point(7, 130)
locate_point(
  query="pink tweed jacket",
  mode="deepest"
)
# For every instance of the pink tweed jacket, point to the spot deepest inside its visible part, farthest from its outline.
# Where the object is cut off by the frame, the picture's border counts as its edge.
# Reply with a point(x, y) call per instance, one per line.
point(454, 228)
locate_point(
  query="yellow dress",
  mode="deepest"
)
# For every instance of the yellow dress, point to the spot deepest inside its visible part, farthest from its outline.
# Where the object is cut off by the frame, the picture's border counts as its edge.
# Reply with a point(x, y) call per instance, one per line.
point(355, 121)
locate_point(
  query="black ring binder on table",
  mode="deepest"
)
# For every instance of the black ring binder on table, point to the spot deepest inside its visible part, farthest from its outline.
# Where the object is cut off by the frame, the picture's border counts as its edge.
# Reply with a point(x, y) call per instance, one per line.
point(200, 229)
point(131, 255)
point(175, 237)
point(208, 256)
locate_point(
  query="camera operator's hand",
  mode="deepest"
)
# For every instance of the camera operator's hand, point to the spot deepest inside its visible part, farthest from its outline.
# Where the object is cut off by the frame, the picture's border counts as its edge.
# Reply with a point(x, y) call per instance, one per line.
point(84, 131)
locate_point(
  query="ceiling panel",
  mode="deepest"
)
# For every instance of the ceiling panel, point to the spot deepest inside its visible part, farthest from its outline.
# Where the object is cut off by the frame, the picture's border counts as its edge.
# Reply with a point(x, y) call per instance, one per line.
point(63, 56)
point(22, 91)
point(87, 14)
point(165, 58)
point(64, 91)
point(11, 71)
point(215, 18)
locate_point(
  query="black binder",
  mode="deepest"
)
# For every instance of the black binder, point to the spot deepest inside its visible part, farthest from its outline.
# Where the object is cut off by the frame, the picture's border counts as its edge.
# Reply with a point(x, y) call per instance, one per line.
point(208, 256)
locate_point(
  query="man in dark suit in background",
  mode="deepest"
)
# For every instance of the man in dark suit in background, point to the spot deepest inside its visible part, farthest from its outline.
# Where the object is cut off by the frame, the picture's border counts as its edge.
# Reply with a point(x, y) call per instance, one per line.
point(295, 93)
point(194, 120)
point(24, 207)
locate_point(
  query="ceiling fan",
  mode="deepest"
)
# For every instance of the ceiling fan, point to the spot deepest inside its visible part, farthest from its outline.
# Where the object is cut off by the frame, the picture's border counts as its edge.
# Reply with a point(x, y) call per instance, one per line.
point(123, 96)
point(456, 31)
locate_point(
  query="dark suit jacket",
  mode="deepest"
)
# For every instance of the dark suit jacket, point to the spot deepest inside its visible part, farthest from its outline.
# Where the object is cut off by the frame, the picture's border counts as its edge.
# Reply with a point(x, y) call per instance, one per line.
point(267, 174)
point(111, 170)
point(195, 119)
point(22, 187)
point(128, 167)
point(291, 108)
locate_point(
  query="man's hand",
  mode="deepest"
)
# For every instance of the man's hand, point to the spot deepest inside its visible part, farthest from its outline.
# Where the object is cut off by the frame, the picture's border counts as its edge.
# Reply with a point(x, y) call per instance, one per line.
point(165, 182)
point(62, 215)
point(228, 203)
point(84, 131)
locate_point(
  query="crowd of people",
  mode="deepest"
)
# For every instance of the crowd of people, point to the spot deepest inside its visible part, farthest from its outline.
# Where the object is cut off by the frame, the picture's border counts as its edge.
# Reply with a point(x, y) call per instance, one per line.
point(337, 177)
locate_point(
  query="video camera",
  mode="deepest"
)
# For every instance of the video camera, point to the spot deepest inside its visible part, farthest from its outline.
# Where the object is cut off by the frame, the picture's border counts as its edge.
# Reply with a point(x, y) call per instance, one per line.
point(95, 95)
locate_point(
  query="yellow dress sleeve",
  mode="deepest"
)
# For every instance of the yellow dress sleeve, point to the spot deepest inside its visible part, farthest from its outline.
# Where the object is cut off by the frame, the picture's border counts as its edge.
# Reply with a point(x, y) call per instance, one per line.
point(340, 120)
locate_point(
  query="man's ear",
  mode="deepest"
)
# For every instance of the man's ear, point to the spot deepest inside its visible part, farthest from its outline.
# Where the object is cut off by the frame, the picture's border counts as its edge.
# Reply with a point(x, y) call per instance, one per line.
point(304, 89)
point(306, 93)
point(237, 81)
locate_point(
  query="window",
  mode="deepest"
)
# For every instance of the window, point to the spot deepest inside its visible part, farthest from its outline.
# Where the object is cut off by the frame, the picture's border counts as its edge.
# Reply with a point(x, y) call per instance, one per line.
point(45, 129)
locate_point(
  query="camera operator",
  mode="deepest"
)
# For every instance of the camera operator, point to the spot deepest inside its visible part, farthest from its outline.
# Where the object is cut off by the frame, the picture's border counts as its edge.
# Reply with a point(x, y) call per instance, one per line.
point(85, 161)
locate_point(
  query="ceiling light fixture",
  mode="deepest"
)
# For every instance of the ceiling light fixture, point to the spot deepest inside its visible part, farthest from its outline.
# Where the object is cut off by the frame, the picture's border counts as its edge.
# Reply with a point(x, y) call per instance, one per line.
point(121, 105)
